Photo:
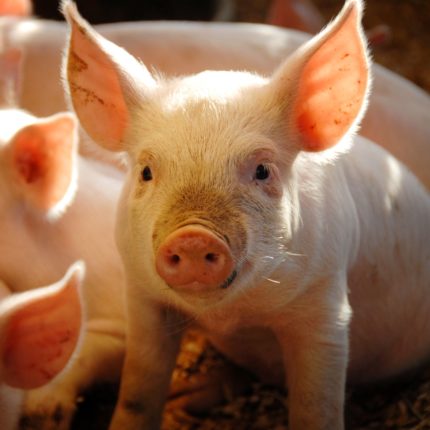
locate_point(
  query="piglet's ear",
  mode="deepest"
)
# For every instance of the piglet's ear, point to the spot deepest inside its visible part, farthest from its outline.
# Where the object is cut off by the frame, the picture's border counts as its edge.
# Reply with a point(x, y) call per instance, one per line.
point(40, 331)
point(104, 82)
point(43, 157)
point(324, 86)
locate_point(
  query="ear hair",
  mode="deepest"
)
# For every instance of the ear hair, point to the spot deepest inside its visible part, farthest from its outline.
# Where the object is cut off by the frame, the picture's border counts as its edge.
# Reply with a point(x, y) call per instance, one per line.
point(323, 87)
point(104, 82)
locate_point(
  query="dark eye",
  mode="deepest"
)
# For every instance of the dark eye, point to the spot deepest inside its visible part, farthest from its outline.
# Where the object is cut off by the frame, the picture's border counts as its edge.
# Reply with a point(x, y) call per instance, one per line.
point(262, 172)
point(146, 174)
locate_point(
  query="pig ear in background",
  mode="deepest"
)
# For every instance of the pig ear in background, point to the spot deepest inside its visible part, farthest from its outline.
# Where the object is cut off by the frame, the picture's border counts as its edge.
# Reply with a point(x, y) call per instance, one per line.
point(103, 81)
point(40, 330)
point(15, 7)
point(44, 162)
point(10, 71)
point(325, 84)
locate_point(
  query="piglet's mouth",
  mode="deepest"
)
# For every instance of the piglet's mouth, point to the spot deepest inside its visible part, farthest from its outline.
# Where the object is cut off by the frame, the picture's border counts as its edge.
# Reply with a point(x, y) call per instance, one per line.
point(197, 287)
point(229, 280)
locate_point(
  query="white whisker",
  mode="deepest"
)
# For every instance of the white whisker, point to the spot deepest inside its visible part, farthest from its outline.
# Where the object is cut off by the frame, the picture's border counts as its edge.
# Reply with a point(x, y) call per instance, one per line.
point(176, 327)
point(267, 257)
point(272, 280)
point(294, 254)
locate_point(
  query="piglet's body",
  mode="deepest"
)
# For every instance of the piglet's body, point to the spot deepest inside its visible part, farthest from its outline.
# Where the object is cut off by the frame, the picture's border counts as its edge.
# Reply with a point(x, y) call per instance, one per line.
point(397, 117)
point(57, 207)
point(251, 209)
point(39, 331)
point(15, 7)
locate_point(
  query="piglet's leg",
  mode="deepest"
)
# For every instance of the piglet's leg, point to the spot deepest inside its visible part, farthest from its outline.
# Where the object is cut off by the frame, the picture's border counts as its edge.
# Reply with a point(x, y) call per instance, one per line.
point(315, 352)
point(152, 346)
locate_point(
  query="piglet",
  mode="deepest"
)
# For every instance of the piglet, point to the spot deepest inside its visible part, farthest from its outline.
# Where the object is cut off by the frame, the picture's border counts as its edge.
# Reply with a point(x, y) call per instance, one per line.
point(10, 65)
point(57, 207)
point(39, 330)
point(251, 208)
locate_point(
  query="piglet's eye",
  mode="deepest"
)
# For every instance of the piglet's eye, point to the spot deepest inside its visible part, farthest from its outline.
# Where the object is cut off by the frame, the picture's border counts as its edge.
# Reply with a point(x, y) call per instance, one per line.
point(146, 174)
point(262, 172)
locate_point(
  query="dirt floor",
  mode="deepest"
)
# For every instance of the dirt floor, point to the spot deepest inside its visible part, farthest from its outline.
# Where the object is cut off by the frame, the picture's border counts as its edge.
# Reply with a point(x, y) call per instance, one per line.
point(402, 406)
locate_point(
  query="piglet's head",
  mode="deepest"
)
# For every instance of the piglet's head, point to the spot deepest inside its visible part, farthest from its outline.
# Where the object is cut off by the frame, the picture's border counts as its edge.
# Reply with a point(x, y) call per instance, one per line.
point(38, 158)
point(208, 207)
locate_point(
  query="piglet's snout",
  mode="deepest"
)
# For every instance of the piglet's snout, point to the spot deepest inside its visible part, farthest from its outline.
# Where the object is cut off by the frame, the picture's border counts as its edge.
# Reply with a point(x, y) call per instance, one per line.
point(193, 257)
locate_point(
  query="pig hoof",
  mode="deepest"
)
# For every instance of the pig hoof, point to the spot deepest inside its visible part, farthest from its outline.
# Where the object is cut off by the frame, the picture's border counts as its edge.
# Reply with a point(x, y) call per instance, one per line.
point(57, 419)
point(205, 391)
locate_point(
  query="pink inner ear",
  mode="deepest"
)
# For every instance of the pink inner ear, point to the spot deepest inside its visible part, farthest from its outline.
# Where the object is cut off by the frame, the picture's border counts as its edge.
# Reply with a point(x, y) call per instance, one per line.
point(42, 156)
point(95, 90)
point(41, 337)
point(332, 88)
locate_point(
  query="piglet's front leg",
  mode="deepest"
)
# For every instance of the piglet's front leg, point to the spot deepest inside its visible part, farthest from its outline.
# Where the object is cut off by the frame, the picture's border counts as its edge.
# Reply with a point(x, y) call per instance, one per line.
point(152, 347)
point(314, 345)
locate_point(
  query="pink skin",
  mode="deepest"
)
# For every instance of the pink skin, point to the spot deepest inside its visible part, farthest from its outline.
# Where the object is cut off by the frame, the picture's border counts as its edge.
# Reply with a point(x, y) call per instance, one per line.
point(15, 7)
point(58, 207)
point(192, 258)
point(39, 329)
point(10, 65)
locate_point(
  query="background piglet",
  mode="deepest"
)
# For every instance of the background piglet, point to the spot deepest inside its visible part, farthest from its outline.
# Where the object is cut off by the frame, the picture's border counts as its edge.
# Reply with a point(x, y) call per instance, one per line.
point(397, 117)
point(10, 64)
point(57, 207)
point(15, 7)
point(39, 331)
point(250, 209)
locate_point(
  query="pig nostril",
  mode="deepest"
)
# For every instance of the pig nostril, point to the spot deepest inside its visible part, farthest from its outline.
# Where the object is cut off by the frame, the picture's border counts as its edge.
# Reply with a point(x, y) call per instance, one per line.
point(195, 259)
point(211, 257)
point(175, 259)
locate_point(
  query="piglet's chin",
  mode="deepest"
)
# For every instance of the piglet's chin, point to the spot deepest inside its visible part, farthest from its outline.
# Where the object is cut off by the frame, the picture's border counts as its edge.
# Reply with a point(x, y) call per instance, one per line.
point(199, 294)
